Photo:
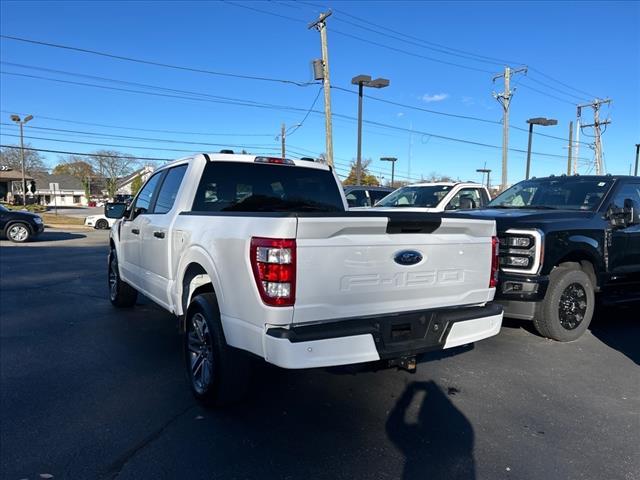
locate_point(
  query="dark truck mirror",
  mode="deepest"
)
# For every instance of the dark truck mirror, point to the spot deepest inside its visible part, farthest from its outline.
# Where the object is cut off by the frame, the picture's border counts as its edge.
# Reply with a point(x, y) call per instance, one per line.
point(622, 217)
point(115, 210)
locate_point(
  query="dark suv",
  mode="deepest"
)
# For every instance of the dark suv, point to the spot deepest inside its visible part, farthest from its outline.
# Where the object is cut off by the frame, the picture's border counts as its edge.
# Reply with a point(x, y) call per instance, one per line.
point(562, 241)
point(19, 226)
point(364, 196)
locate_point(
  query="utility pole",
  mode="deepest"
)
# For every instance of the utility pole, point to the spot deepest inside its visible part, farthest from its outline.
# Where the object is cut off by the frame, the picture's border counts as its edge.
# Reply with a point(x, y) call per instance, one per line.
point(283, 134)
point(597, 133)
point(637, 153)
point(321, 26)
point(577, 155)
point(570, 149)
point(504, 99)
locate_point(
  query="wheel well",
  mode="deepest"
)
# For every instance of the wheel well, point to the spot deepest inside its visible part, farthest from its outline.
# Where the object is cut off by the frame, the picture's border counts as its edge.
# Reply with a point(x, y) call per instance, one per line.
point(196, 281)
point(581, 261)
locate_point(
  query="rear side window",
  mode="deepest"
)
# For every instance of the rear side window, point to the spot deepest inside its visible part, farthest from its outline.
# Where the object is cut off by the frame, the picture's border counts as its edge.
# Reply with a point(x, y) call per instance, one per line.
point(169, 189)
point(253, 187)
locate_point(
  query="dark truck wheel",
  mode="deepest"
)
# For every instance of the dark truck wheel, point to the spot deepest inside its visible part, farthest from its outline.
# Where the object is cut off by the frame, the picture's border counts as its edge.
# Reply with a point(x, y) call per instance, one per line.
point(218, 374)
point(18, 232)
point(121, 294)
point(567, 309)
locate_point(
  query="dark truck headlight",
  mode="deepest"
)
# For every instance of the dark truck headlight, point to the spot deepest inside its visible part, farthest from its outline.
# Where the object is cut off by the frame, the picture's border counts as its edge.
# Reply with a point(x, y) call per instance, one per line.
point(521, 251)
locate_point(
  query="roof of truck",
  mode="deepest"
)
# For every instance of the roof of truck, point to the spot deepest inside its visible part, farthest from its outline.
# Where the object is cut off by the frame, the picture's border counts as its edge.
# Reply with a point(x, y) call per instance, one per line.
point(247, 158)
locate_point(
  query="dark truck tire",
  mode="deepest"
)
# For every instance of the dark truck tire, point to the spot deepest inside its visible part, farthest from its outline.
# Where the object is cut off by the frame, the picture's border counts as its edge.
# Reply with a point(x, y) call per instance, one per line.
point(121, 294)
point(567, 309)
point(219, 375)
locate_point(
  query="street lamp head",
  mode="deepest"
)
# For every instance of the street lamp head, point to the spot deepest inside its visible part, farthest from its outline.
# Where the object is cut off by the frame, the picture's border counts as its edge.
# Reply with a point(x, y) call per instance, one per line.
point(379, 83)
point(388, 159)
point(27, 118)
point(15, 118)
point(358, 79)
point(545, 122)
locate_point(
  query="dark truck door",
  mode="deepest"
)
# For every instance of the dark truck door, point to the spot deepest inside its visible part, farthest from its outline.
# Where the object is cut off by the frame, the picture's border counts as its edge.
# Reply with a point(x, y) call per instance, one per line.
point(624, 252)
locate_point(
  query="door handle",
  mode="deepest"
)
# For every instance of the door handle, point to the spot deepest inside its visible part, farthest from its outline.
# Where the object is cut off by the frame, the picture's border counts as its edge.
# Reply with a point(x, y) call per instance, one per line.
point(158, 234)
point(135, 231)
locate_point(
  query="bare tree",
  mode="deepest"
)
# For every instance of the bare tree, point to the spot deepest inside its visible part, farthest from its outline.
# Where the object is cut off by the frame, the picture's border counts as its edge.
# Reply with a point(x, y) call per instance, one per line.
point(366, 178)
point(112, 166)
point(12, 158)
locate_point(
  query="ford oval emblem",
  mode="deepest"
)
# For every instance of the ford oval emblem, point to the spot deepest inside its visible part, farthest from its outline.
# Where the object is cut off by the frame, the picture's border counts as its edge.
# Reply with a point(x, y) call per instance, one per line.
point(407, 257)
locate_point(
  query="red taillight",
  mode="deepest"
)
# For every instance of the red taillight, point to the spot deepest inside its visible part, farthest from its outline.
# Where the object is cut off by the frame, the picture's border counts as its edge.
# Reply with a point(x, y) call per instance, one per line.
point(273, 262)
point(495, 263)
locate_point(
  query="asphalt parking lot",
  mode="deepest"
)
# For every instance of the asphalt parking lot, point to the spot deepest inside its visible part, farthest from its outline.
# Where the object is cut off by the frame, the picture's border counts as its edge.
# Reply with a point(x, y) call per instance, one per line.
point(88, 391)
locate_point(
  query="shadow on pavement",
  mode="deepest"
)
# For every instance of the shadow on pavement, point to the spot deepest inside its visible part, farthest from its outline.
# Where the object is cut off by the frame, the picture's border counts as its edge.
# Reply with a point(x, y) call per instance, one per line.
point(440, 443)
point(619, 328)
point(52, 236)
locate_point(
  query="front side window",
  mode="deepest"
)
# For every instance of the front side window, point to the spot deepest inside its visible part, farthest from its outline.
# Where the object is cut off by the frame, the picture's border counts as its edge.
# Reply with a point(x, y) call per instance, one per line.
point(629, 190)
point(570, 193)
point(169, 189)
point(416, 196)
point(143, 201)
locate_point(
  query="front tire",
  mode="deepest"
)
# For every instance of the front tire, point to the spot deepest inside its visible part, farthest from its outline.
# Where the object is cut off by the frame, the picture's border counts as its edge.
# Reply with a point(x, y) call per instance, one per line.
point(218, 374)
point(121, 294)
point(18, 232)
point(567, 309)
point(102, 225)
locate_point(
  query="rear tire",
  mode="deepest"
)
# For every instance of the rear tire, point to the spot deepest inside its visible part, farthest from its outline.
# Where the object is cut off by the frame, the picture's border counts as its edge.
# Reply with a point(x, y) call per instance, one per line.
point(18, 232)
point(121, 294)
point(218, 374)
point(567, 308)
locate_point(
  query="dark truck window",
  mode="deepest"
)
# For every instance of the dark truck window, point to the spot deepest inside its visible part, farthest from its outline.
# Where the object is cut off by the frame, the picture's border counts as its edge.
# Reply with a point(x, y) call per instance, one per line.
point(571, 193)
point(254, 187)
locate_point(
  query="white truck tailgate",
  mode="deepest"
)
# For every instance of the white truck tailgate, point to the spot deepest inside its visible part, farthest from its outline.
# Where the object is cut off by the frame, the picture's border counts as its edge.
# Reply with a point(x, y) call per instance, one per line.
point(347, 266)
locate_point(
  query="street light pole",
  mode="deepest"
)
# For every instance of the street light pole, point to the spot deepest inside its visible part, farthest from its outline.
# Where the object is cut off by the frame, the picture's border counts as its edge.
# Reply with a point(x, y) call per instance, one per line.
point(545, 122)
point(393, 161)
point(488, 172)
point(21, 122)
point(364, 81)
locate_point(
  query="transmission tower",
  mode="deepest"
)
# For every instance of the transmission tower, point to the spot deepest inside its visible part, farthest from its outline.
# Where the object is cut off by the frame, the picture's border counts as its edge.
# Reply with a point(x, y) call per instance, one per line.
point(597, 131)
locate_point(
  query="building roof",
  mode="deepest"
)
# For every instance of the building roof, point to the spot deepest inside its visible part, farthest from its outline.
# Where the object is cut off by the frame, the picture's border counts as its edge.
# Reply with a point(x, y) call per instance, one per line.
point(66, 182)
point(13, 175)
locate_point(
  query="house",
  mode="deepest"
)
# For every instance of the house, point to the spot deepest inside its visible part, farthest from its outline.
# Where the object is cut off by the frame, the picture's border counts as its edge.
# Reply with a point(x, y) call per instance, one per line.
point(124, 183)
point(10, 180)
point(69, 190)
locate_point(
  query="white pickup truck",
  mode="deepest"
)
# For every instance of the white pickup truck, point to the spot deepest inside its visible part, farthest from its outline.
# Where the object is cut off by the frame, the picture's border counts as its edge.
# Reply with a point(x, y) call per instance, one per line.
point(435, 197)
point(260, 255)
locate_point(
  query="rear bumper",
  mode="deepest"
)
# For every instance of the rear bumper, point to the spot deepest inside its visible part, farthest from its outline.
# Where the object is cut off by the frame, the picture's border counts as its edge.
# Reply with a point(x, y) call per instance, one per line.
point(379, 337)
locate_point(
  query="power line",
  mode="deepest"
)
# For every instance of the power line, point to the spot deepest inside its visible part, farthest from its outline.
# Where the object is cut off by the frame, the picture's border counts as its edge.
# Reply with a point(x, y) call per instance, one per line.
point(62, 152)
point(128, 146)
point(266, 106)
point(128, 137)
point(315, 100)
point(355, 37)
point(154, 63)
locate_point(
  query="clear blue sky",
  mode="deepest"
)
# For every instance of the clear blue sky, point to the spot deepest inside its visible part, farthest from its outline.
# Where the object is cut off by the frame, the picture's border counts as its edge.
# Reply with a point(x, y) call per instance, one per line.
point(591, 46)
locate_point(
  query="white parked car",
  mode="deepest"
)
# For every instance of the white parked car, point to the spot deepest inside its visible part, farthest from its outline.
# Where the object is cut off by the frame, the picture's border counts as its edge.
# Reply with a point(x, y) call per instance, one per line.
point(99, 222)
point(436, 197)
point(261, 255)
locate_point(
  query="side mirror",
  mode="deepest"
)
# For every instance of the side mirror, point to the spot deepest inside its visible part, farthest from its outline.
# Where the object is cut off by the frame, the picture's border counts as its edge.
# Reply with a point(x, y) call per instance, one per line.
point(621, 217)
point(115, 210)
point(631, 214)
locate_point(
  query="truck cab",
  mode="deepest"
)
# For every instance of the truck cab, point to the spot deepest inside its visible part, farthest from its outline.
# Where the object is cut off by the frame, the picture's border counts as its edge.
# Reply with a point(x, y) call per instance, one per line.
point(564, 241)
